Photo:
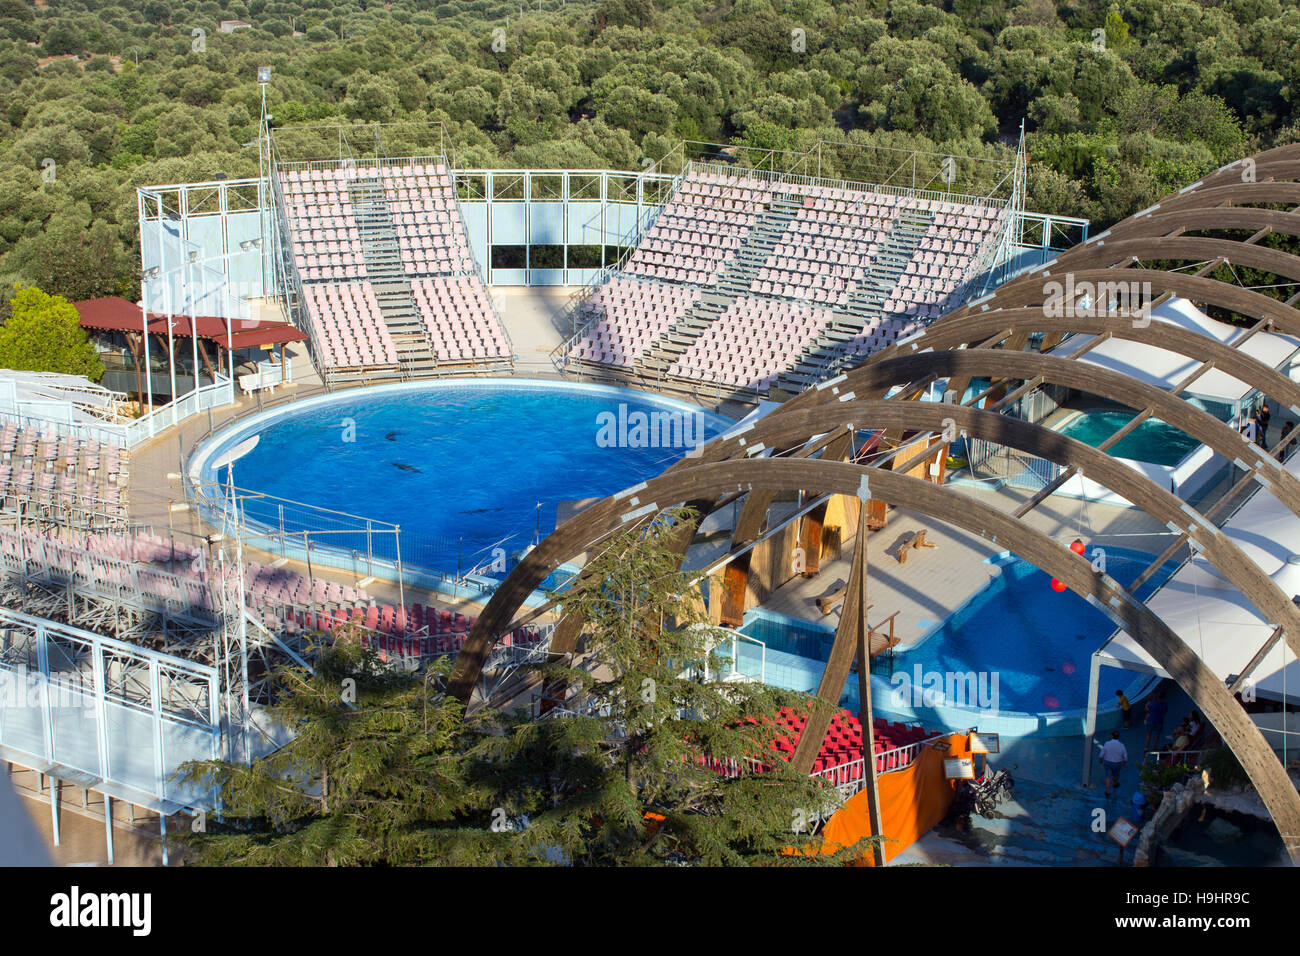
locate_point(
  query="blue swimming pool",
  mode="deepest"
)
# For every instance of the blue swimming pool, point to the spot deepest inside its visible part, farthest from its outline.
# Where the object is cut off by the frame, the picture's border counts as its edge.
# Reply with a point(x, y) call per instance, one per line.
point(463, 467)
point(1015, 648)
point(1152, 441)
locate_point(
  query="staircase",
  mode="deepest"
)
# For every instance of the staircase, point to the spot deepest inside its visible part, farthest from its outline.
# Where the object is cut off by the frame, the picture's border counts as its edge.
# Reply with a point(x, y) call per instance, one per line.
point(818, 359)
point(388, 278)
point(734, 281)
point(757, 246)
point(823, 355)
point(905, 234)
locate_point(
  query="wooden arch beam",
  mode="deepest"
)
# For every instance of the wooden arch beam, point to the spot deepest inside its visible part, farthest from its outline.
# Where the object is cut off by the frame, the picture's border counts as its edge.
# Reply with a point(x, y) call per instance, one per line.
point(719, 478)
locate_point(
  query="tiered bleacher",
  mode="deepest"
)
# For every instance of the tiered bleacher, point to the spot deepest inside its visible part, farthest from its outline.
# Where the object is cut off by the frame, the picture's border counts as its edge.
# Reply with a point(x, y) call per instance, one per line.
point(750, 343)
point(458, 316)
point(626, 315)
point(76, 481)
point(700, 228)
point(286, 602)
point(840, 758)
point(875, 264)
point(327, 243)
point(350, 330)
point(429, 231)
point(387, 272)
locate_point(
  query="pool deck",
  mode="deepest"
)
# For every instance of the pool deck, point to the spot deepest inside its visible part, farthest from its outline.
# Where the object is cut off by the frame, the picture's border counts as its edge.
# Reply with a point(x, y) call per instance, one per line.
point(937, 581)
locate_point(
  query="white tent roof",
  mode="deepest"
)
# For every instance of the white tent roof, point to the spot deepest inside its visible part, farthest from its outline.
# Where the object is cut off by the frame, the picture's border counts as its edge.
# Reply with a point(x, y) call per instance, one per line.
point(1214, 619)
point(1151, 364)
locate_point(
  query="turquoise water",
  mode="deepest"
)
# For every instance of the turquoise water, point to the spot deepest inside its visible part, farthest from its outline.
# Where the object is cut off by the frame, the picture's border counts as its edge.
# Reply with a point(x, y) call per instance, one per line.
point(1036, 641)
point(462, 468)
point(1153, 441)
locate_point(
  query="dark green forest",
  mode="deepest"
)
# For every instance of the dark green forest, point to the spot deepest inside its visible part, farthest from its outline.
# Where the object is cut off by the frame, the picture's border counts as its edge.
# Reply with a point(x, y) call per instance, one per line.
point(1122, 102)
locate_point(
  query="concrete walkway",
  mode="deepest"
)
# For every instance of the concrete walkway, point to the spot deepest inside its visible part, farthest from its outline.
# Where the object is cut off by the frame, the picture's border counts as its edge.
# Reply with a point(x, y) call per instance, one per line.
point(937, 581)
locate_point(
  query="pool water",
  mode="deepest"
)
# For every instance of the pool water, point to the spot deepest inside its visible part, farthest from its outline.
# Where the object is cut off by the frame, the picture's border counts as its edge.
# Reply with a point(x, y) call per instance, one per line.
point(464, 467)
point(1029, 644)
point(1153, 441)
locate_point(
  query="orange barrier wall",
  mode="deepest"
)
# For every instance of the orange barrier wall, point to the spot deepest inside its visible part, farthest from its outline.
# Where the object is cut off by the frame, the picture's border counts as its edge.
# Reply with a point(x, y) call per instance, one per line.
point(912, 800)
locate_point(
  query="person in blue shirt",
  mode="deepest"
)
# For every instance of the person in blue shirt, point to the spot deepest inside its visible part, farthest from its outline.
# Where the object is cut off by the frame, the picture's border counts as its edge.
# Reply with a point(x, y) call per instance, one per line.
point(1155, 722)
point(1138, 810)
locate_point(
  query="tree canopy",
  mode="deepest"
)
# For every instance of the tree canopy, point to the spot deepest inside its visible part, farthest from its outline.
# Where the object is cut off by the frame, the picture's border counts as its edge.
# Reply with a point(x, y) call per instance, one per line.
point(43, 334)
point(1123, 100)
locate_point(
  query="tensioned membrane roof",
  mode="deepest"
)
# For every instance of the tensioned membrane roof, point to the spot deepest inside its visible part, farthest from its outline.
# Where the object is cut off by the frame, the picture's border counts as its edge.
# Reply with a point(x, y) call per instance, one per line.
point(1158, 366)
point(1214, 618)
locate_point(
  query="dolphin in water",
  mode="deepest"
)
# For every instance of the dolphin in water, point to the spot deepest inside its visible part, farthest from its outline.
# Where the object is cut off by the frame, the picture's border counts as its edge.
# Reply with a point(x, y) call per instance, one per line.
point(392, 436)
point(479, 511)
point(398, 464)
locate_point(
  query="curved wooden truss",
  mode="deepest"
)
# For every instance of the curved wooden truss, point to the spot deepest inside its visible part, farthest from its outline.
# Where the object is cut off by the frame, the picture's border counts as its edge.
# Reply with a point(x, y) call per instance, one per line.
point(803, 445)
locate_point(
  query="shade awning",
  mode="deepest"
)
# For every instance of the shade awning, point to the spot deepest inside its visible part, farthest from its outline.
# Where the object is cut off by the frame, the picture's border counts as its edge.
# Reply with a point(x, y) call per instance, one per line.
point(115, 314)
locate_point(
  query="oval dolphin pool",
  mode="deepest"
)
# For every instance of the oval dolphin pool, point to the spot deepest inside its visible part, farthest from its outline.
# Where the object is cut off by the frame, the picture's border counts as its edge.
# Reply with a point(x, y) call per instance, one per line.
point(470, 470)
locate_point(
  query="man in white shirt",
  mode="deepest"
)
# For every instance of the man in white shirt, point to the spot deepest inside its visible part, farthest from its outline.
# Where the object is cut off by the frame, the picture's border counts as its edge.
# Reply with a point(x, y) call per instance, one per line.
point(1114, 755)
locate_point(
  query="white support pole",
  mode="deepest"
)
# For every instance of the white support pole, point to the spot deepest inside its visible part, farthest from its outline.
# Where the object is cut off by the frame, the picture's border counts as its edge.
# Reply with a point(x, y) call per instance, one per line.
point(144, 330)
point(108, 827)
point(1090, 720)
point(55, 783)
point(230, 335)
point(194, 325)
point(162, 831)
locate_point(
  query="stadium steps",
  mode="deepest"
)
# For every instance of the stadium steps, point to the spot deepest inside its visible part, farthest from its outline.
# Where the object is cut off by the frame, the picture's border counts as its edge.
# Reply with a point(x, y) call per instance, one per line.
point(682, 333)
point(909, 228)
point(734, 281)
point(823, 356)
point(820, 357)
point(387, 277)
point(740, 273)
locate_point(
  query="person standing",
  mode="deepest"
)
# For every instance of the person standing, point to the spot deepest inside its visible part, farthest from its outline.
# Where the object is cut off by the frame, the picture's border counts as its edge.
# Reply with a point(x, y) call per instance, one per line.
point(1126, 708)
point(1114, 755)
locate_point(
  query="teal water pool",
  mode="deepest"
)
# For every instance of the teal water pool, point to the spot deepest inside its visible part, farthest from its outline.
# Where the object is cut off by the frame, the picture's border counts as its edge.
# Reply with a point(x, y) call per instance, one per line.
point(1153, 441)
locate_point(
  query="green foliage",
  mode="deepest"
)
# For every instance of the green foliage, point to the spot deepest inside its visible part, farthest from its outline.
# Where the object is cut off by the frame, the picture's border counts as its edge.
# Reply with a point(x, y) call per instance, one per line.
point(43, 334)
point(624, 778)
point(1180, 88)
point(375, 773)
point(1162, 776)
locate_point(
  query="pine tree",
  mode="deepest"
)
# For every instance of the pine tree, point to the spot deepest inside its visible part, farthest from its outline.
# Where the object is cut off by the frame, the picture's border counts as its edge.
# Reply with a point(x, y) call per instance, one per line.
point(627, 773)
point(378, 772)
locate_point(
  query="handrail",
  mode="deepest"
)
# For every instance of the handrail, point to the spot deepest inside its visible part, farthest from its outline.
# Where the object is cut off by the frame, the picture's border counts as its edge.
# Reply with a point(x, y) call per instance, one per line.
point(559, 355)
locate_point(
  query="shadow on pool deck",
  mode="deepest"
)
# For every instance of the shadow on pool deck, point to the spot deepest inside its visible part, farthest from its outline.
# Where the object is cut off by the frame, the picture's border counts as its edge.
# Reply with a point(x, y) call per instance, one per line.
point(1049, 820)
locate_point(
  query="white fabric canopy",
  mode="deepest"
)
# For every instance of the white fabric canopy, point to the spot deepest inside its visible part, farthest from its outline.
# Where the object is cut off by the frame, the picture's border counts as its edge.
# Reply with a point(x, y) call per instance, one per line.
point(1214, 619)
point(1154, 365)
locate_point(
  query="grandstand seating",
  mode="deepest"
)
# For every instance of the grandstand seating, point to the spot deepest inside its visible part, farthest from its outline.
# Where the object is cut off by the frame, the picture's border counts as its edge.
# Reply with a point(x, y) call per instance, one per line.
point(626, 315)
point(843, 742)
point(388, 276)
point(349, 329)
point(429, 231)
point(170, 574)
point(77, 481)
point(879, 263)
point(700, 228)
point(323, 218)
point(840, 758)
point(459, 319)
point(750, 343)
point(327, 242)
